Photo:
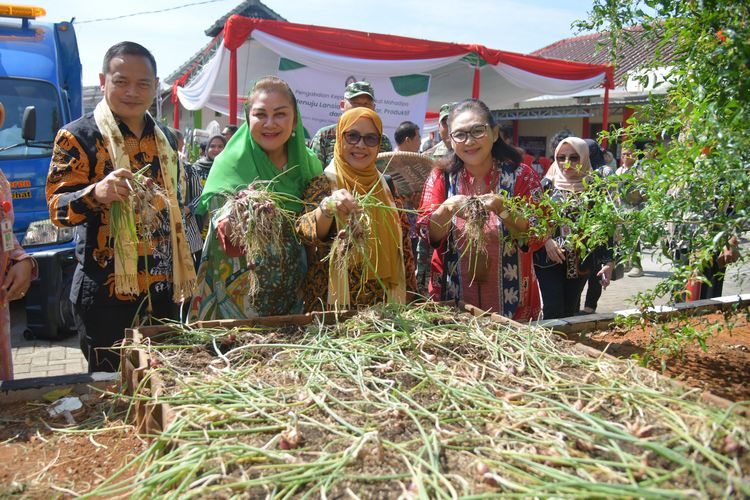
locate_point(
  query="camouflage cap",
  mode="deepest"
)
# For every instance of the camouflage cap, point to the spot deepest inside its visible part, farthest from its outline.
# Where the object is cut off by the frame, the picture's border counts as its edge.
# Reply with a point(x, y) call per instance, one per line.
point(445, 109)
point(358, 88)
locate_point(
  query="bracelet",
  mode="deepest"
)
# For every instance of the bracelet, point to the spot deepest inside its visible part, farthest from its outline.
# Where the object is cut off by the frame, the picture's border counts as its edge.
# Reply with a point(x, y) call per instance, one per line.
point(328, 207)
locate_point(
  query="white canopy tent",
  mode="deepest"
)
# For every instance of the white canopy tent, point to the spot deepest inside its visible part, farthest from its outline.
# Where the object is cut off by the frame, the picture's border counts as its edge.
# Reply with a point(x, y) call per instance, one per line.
point(252, 48)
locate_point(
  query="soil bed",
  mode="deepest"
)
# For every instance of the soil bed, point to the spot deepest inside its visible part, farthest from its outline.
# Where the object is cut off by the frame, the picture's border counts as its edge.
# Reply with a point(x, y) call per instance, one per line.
point(723, 368)
point(44, 458)
point(422, 402)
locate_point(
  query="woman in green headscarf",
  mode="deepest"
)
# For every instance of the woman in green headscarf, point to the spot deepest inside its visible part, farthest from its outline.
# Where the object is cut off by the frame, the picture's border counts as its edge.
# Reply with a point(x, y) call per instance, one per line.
point(268, 146)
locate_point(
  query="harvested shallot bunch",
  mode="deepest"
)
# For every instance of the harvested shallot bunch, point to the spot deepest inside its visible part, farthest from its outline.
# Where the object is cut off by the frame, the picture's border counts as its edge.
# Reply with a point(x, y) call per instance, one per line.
point(140, 214)
point(257, 222)
point(148, 200)
point(350, 244)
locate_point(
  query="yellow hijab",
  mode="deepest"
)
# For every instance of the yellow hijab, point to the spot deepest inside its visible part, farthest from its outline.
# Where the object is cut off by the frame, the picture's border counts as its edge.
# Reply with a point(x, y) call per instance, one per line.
point(385, 239)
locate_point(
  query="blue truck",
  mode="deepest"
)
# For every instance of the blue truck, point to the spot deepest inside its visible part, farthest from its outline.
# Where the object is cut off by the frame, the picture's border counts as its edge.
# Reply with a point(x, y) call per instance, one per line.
point(41, 89)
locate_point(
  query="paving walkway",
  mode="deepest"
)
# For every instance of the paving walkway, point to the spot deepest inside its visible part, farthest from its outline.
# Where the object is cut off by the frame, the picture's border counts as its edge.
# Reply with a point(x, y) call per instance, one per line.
point(36, 358)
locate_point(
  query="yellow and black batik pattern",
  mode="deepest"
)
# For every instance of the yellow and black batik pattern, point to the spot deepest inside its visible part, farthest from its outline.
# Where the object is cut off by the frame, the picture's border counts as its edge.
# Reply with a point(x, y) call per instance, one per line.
point(79, 160)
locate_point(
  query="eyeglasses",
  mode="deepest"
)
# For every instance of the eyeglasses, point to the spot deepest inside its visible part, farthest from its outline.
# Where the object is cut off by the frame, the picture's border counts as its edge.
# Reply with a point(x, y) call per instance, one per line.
point(353, 137)
point(572, 158)
point(477, 132)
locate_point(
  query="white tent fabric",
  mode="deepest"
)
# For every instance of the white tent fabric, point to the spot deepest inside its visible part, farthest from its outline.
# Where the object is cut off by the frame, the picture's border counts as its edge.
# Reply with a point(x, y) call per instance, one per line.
point(451, 77)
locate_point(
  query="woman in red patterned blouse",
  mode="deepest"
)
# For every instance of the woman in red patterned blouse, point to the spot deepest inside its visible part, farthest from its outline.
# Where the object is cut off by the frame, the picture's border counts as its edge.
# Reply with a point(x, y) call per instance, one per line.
point(482, 165)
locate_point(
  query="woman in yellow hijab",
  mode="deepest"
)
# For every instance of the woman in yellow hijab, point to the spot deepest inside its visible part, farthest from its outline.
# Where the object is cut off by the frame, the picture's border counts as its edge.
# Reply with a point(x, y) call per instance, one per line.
point(351, 185)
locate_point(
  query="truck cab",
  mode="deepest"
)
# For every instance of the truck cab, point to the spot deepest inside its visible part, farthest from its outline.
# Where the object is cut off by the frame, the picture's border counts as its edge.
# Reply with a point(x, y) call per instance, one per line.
point(41, 90)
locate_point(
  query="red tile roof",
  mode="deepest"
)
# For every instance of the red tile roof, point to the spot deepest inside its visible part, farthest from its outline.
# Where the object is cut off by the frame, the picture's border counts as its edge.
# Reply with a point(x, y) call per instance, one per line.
point(637, 47)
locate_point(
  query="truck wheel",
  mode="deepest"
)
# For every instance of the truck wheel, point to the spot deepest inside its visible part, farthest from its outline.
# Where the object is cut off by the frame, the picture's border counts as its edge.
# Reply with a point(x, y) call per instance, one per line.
point(49, 312)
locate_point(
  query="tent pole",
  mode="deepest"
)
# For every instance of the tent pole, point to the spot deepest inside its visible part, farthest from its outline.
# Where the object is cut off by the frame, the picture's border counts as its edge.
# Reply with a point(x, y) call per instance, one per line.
point(176, 103)
point(475, 86)
point(605, 113)
point(585, 127)
point(233, 86)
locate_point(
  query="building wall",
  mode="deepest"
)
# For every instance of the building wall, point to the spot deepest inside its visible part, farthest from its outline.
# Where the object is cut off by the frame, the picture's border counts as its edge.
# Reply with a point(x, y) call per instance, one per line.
point(549, 127)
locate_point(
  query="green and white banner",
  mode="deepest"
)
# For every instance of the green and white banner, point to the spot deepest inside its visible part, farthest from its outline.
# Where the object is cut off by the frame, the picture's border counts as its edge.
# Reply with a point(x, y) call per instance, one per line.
point(319, 93)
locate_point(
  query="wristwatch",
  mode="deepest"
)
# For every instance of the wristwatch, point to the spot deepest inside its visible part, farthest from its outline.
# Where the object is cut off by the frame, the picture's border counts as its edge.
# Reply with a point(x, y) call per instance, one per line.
point(504, 214)
point(327, 207)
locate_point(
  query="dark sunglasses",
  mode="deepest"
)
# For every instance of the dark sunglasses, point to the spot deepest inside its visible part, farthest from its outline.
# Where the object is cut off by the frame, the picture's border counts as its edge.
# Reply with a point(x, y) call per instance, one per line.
point(477, 132)
point(572, 158)
point(353, 137)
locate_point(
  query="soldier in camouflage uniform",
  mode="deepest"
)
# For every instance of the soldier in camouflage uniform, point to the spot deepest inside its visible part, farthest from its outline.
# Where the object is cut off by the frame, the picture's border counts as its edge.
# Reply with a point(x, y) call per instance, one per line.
point(356, 95)
point(424, 249)
point(443, 147)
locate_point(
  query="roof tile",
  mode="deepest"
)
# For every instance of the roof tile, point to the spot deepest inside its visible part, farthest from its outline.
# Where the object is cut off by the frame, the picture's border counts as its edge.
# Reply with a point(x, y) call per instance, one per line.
point(637, 47)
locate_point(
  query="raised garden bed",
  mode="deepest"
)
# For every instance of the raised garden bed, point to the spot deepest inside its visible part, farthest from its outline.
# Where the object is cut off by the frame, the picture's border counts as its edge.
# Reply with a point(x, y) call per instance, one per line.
point(427, 401)
point(706, 346)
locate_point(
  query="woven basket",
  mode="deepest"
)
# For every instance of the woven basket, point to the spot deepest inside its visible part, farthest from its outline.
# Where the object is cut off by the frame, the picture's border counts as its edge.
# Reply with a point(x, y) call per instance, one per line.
point(408, 170)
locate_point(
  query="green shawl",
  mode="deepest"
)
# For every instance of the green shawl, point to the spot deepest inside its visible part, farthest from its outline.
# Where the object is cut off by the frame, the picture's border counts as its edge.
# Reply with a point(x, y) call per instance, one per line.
point(243, 161)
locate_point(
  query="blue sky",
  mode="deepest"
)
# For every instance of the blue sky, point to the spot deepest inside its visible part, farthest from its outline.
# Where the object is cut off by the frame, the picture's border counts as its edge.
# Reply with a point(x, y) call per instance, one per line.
point(174, 36)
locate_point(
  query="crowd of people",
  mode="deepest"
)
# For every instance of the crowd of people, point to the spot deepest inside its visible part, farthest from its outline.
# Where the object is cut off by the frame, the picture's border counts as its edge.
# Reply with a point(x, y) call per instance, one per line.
point(474, 243)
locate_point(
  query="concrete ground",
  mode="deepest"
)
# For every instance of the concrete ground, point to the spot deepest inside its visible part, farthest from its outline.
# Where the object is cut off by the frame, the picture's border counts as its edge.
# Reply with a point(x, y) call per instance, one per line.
point(38, 358)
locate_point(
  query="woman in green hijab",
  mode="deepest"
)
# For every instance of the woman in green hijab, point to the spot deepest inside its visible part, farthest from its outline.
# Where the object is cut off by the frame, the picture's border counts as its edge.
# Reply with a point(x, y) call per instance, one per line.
point(270, 145)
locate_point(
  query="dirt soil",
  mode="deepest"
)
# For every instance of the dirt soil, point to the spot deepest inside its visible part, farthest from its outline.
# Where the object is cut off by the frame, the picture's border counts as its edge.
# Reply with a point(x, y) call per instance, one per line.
point(42, 462)
point(723, 368)
point(43, 457)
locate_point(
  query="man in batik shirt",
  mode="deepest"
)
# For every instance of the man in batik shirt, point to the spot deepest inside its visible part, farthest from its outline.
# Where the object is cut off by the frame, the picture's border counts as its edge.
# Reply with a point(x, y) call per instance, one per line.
point(82, 183)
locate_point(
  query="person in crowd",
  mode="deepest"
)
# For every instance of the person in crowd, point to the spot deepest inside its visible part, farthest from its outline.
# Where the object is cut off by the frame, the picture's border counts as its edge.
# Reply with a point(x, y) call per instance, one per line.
point(681, 245)
point(407, 137)
point(501, 279)
point(601, 169)
point(610, 160)
point(17, 269)
point(386, 272)
point(562, 272)
point(427, 142)
point(196, 175)
point(540, 164)
point(408, 140)
point(192, 232)
point(634, 200)
point(181, 156)
point(93, 165)
point(356, 95)
point(598, 162)
point(437, 152)
point(229, 131)
point(443, 147)
point(269, 146)
point(712, 271)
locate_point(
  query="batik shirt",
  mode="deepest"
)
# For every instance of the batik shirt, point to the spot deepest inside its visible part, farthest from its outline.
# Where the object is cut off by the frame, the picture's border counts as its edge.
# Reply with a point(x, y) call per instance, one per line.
point(315, 287)
point(196, 176)
point(228, 289)
point(508, 286)
point(575, 266)
point(325, 139)
point(79, 160)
